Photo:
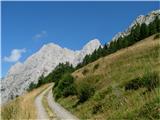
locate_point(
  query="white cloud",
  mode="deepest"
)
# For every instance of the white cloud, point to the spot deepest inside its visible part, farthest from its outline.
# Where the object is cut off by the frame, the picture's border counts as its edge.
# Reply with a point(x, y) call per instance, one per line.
point(40, 35)
point(16, 54)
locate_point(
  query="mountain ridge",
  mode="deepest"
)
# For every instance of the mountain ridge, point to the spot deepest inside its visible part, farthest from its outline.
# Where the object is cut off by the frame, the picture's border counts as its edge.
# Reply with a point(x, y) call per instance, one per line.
point(139, 20)
point(43, 61)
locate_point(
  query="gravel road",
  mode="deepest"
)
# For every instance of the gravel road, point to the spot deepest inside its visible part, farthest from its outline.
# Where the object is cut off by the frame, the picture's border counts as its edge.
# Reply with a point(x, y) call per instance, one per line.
point(41, 113)
point(61, 113)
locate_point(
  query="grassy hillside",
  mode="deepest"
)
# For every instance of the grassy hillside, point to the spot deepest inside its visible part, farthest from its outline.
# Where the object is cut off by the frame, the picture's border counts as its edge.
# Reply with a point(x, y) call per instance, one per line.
point(22, 107)
point(110, 75)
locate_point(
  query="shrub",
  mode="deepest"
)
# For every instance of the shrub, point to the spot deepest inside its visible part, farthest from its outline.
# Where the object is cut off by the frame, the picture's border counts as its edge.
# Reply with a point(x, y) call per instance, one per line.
point(59, 72)
point(85, 71)
point(85, 91)
point(65, 87)
point(70, 90)
point(157, 36)
point(57, 93)
point(133, 84)
point(66, 80)
point(41, 81)
point(31, 86)
point(96, 66)
point(149, 81)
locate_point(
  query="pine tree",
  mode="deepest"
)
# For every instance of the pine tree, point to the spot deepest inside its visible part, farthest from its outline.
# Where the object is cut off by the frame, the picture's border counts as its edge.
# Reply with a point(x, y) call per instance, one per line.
point(41, 80)
point(157, 22)
point(143, 31)
point(135, 34)
point(152, 28)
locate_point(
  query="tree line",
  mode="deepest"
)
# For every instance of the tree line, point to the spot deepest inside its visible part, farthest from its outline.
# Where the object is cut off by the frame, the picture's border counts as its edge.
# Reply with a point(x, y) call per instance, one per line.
point(137, 33)
point(54, 76)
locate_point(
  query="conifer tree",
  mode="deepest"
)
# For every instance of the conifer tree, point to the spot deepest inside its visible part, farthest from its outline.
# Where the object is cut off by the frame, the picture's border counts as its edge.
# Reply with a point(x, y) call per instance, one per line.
point(152, 28)
point(143, 31)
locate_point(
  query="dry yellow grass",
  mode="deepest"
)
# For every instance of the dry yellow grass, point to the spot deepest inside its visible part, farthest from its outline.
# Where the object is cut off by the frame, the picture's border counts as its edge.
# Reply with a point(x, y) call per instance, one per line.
point(124, 55)
point(22, 107)
point(110, 100)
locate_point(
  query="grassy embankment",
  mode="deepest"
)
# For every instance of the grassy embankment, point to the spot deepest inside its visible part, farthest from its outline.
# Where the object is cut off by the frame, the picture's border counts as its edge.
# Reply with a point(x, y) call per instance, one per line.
point(109, 76)
point(22, 107)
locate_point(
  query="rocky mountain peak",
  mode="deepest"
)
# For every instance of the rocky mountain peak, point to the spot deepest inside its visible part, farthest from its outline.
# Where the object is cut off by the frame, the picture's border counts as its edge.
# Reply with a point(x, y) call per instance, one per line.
point(43, 61)
point(92, 43)
point(51, 45)
point(139, 20)
point(15, 68)
point(49, 56)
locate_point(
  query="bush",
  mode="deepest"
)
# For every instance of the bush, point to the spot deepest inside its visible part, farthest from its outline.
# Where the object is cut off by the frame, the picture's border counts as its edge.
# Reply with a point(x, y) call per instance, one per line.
point(85, 91)
point(59, 72)
point(66, 80)
point(96, 66)
point(85, 71)
point(149, 81)
point(32, 86)
point(70, 90)
point(57, 93)
point(157, 36)
point(41, 80)
point(65, 87)
point(133, 84)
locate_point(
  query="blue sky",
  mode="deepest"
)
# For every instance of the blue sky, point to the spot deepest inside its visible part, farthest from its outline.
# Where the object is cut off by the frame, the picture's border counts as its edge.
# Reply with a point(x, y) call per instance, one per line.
point(27, 26)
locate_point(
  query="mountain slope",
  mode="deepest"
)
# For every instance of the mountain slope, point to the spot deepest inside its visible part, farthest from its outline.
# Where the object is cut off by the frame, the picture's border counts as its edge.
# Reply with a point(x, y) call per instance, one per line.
point(147, 19)
point(109, 76)
point(42, 62)
point(47, 58)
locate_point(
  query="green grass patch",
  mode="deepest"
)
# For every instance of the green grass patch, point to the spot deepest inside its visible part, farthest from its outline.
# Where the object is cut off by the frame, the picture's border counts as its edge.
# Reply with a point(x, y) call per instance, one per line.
point(119, 83)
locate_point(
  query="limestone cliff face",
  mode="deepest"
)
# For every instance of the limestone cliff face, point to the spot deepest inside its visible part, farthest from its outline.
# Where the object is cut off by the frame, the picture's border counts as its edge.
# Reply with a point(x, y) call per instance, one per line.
point(49, 56)
point(139, 20)
point(44, 61)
